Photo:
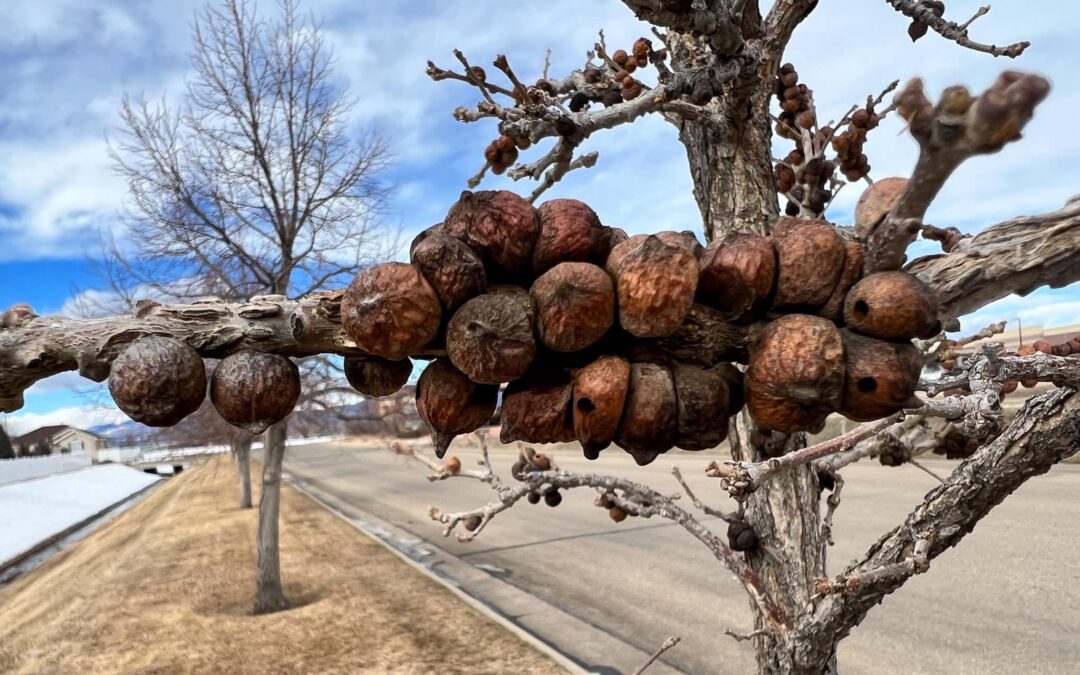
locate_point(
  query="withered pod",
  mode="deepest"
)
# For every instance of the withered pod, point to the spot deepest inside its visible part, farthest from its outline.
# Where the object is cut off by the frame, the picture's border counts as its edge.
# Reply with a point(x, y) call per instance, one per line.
point(490, 338)
point(158, 381)
point(536, 408)
point(454, 270)
point(254, 390)
point(649, 423)
point(574, 303)
point(737, 274)
point(374, 376)
point(499, 225)
point(600, 390)
point(796, 374)
point(569, 232)
point(452, 404)
point(880, 377)
point(892, 306)
point(391, 311)
point(703, 404)
point(655, 284)
point(810, 257)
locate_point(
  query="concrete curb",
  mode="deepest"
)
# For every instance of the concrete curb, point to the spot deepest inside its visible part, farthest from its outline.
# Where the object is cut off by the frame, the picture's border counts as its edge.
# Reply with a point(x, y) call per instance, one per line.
point(572, 643)
point(68, 531)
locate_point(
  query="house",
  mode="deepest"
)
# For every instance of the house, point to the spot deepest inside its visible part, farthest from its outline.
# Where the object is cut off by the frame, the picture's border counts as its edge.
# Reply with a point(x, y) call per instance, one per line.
point(61, 439)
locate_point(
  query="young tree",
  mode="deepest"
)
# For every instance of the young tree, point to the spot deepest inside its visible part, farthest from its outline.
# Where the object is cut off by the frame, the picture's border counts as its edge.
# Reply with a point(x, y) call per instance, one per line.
point(822, 317)
point(6, 450)
point(251, 185)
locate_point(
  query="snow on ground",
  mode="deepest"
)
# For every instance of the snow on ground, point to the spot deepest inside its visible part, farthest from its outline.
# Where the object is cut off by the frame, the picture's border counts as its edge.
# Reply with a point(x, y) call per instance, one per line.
point(34, 510)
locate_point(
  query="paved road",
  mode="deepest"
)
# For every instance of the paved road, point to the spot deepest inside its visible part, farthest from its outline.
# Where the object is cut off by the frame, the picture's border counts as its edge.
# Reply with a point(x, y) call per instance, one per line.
point(1007, 600)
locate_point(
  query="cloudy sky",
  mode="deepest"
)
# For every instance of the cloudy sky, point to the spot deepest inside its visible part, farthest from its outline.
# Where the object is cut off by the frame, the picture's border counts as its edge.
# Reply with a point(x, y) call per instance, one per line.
point(68, 63)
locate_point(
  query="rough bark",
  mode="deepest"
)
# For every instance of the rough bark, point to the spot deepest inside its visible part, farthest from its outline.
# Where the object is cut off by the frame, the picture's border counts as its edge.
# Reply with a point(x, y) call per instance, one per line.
point(269, 594)
point(241, 449)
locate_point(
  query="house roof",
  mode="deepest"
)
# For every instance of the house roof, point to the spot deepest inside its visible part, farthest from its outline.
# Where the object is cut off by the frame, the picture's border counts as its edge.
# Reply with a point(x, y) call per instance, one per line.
point(47, 433)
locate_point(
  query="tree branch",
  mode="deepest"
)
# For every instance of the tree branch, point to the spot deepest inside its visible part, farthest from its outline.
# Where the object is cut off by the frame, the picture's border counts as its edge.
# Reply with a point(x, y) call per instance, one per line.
point(958, 33)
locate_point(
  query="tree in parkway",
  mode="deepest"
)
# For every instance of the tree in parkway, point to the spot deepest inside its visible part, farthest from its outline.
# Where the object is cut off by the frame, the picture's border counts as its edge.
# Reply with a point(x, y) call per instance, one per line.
point(652, 342)
point(251, 185)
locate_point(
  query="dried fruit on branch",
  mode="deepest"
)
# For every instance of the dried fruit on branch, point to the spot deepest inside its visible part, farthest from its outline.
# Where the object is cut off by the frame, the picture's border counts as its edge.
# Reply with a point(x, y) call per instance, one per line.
point(254, 390)
point(574, 303)
point(892, 306)
point(737, 273)
point(655, 283)
point(852, 272)
point(391, 311)
point(880, 377)
point(536, 408)
point(876, 202)
point(569, 231)
point(606, 240)
point(702, 397)
point(649, 423)
point(796, 374)
point(490, 338)
point(499, 225)
point(685, 239)
point(377, 377)
point(810, 257)
point(600, 390)
point(158, 381)
point(452, 404)
point(454, 270)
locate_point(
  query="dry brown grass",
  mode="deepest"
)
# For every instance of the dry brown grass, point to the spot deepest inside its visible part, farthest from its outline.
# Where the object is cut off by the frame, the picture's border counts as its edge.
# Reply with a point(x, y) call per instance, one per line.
point(167, 587)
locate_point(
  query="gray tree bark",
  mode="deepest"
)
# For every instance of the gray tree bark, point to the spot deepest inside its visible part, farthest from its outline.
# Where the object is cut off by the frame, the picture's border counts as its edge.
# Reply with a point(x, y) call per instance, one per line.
point(269, 594)
point(241, 449)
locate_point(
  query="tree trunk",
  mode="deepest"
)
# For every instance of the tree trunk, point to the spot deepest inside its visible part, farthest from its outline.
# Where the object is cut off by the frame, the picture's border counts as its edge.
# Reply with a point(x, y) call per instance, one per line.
point(241, 448)
point(269, 594)
point(730, 157)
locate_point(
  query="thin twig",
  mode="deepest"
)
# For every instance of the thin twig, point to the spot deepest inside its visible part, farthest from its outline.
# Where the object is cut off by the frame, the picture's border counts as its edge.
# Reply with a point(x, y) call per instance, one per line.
point(668, 644)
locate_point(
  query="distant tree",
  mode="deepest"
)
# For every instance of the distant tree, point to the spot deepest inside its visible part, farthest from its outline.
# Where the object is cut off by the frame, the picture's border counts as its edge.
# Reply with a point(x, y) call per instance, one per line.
point(41, 449)
point(6, 450)
point(252, 186)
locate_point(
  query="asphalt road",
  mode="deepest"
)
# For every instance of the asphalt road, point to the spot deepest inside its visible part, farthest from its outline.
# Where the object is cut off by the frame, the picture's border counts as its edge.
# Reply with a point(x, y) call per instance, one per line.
point(1006, 600)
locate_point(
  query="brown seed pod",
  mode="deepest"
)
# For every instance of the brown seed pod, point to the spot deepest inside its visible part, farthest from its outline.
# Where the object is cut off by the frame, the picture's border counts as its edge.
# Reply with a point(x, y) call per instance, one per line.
point(158, 381)
point(616, 514)
point(472, 523)
point(1042, 346)
point(631, 91)
point(553, 498)
point(373, 376)
point(852, 272)
point(490, 338)
point(1009, 386)
point(876, 202)
point(1026, 350)
point(649, 423)
point(451, 404)
point(499, 225)
point(536, 408)
point(892, 306)
point(253, 390)
point(606, 240)
point(685, 239)
point(599, 396)
point(655, 285)
point(796, 374)
point(880, 377)
point(737, 273)
point(741, 536)
point(618, 253)
point(390, 310)
point(569, 230)
point(424, 234)
point(1030, 382)
point(574, 305)
point(453, 464)
point(810, 256)
point(1061, 350)
point(702, 397)
point(454, 270)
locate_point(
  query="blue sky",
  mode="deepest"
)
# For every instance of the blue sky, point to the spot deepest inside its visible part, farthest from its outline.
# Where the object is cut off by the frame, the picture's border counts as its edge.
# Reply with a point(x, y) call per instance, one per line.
point(67, 63)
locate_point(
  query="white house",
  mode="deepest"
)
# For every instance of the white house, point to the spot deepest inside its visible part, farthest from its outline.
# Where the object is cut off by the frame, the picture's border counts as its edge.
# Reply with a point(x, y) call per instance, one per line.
point(63, 439)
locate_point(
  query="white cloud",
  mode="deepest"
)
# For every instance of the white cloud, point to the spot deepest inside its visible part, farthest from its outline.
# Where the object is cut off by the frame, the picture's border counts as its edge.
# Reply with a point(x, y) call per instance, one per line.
point(79, 417)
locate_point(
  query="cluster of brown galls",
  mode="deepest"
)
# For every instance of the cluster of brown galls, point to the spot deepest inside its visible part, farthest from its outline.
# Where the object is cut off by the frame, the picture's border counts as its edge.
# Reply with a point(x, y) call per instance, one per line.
point(552, 303)
point(804, 178)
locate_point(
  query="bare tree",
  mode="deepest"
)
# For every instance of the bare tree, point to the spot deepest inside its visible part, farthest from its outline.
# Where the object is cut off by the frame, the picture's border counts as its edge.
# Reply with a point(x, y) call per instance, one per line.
point(719, 70)
point(252, 185)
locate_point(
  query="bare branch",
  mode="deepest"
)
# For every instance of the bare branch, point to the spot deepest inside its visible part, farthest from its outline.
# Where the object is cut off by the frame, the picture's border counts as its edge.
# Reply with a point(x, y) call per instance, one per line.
point(957, 33)
point(670, 642)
